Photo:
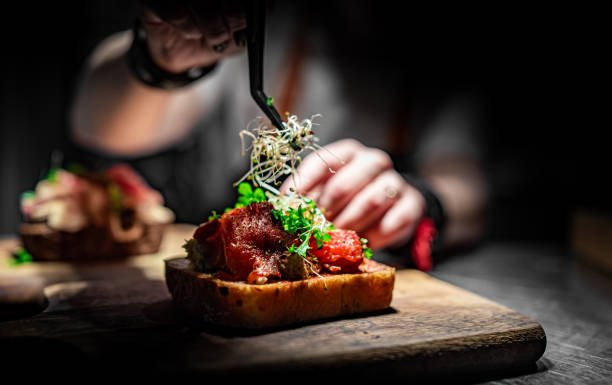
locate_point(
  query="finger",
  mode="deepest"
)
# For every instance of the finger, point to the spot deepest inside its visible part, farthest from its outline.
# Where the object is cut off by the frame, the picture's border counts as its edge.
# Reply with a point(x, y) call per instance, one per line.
point(160, 33)
point(371, 203)
point(234, 15)
point(184, 22)
point(209, 19)
point(155, 26)
point(315, 193)
point(351, 178)
point(215, 31)
point(164, 41)
point(148, 16)
point(192, 53)
point(398, 223)
point(315, 168)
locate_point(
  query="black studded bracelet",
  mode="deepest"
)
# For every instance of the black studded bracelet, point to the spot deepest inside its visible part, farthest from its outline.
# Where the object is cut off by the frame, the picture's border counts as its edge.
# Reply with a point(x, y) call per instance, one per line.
point(148, 72)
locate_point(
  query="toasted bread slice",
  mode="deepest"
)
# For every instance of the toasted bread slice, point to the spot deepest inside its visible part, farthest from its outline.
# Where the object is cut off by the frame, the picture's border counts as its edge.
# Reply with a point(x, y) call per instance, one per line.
point(47, 244)
point(239, 304)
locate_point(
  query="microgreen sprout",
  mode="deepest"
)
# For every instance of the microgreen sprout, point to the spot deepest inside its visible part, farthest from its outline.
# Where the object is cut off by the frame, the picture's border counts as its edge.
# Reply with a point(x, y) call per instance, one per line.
point(275, 151)
point(301, 216)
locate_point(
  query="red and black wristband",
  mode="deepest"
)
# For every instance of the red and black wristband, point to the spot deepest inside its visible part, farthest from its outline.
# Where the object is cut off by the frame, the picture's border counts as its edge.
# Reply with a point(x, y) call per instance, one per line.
point(428, 234)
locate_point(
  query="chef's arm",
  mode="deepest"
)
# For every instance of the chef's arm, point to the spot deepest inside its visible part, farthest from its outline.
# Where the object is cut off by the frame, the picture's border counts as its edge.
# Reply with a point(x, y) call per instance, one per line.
point(115, 112)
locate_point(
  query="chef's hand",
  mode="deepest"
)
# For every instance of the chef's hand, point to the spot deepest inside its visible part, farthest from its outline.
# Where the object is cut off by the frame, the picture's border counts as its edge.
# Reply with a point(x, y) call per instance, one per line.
point(187, 34)
point(364, 194)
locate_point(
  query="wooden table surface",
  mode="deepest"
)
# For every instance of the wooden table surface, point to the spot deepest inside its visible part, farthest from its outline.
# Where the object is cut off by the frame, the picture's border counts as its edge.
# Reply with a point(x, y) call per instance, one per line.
point(570, 301)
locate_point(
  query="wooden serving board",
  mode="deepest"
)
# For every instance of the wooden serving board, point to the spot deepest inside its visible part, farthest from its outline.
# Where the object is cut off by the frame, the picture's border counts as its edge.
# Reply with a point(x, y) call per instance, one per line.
point(121, 313)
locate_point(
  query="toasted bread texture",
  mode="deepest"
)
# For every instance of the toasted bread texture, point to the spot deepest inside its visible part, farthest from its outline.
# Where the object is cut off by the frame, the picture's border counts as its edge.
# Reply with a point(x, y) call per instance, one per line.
point(47, 244)
point(239, 304)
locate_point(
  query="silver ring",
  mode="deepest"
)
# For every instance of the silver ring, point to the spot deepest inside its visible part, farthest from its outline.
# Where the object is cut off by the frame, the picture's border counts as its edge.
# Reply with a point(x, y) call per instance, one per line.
point(391, 192)
point(220, 47)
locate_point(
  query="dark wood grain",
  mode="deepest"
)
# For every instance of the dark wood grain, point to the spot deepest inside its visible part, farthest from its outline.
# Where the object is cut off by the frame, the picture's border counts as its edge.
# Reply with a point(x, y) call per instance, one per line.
point(120, 312)
point(572, 301)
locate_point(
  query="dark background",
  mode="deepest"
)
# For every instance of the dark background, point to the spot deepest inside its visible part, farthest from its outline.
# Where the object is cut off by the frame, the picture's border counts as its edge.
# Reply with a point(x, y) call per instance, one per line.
point(537, 68)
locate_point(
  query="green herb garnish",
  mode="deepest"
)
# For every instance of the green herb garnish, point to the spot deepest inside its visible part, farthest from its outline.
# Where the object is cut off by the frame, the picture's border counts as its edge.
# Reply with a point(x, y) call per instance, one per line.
point(270, 101)
point(247, 195)
point(367, 252)
point(20, 256)
point(28, 195)
point(306, 221)
point(114, 197)
point(52, 175)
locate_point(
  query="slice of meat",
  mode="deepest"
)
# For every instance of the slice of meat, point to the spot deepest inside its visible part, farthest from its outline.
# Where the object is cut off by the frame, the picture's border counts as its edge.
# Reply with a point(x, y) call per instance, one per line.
point(254, 241)
point(210, 239)
point(247, 242)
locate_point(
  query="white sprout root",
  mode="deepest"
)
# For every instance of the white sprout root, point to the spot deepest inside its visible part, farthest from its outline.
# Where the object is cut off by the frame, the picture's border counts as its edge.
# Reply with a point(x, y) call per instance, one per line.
point(276, 152)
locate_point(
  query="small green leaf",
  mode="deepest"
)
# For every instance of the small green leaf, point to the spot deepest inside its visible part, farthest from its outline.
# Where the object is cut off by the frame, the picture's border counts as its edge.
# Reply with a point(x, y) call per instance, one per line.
point(245, 189)
point(20, 256)
point(270, 101)
point(303, 248)
point(319, 242)
point(52, 175)
point(259, 195)
point(28, 195)
point(214, 216)
point(114, 197)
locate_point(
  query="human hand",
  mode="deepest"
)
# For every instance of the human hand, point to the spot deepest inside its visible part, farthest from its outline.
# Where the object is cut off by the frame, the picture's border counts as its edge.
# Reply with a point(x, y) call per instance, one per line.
point(187, 34)
point(364, 194)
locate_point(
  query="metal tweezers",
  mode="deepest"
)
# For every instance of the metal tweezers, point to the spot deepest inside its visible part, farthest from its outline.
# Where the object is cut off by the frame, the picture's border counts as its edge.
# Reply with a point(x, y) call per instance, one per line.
point(256, 20)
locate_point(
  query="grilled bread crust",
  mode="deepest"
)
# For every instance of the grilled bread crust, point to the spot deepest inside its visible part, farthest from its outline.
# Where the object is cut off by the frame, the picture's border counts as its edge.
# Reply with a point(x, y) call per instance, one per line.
point(207, 299)
point(47, 244)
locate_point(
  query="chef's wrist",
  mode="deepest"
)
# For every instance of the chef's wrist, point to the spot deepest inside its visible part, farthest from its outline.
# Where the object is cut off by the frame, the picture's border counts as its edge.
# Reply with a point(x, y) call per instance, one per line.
point(433, 207)
point(147, 71)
